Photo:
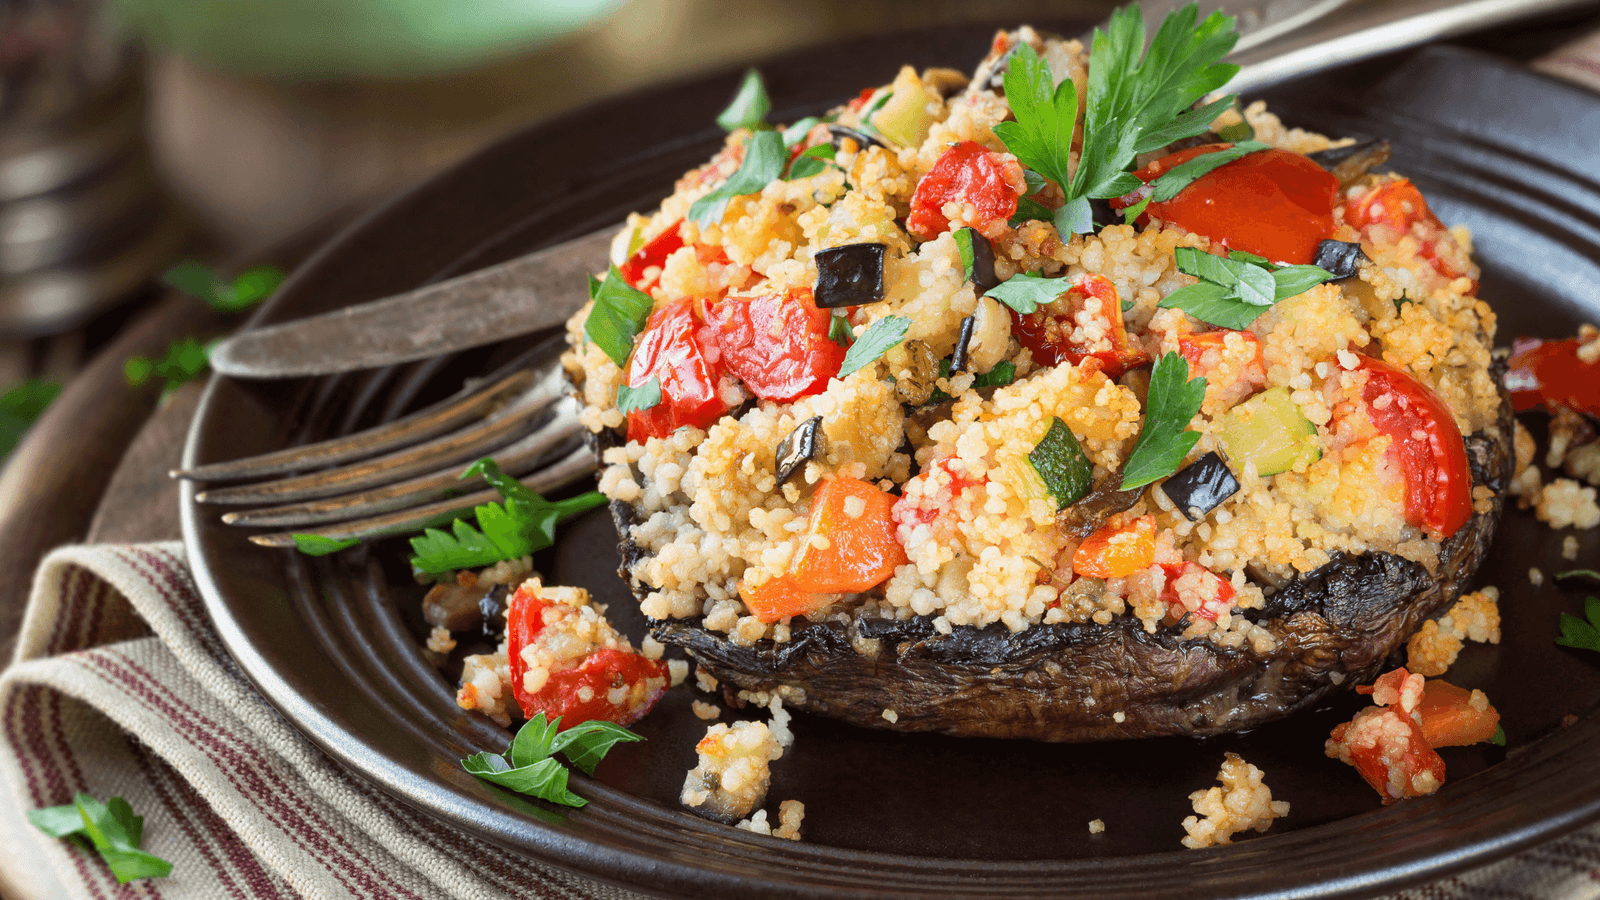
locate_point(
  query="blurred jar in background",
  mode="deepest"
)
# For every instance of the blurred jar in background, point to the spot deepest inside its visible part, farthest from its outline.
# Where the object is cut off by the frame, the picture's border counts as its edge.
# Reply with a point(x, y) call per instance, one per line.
point(83, 224)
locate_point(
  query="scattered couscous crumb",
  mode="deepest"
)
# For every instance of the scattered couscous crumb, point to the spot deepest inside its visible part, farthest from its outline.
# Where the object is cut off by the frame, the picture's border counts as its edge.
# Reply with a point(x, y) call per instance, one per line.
point(1119, 717)
point(1569, 548)
point(1564, 503)
point(1097, 826)
point(677, 671)
point(1433, 649)
point(1535, 577)
point(440, 640)
point(705, 710)
point(734, 770)
point(891, 715)
point(1243, 802)
point(704, 680)
point(790, 814)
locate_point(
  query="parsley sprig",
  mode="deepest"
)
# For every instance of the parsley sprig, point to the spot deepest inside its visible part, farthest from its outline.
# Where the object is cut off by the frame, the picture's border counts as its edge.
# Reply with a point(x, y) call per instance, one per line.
point(529, 766)
point(1577, 633)
point(750, 105)
point(1236, 289)
point(246, 289)
point(110, 828)
point(1026, 293)
point(1165, 438)
point(523, 524)
point(1135, 103)
point(764, 158)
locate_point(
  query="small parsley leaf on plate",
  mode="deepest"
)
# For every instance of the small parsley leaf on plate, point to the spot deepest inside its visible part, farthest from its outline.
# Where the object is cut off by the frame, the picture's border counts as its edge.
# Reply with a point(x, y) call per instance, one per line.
point(1580, 573)
point(110, 828)
point(185, 360)
point(618, 315)
point(750, 105)
point(1499, 737)
point(587, 743)
point(1165, 438)
point(764, 157)
point(638, 399)
point(523, 524)
point(1577, 633)
point(317, 545)
point(1026, 293)
point(879, 337)
point(529, 766)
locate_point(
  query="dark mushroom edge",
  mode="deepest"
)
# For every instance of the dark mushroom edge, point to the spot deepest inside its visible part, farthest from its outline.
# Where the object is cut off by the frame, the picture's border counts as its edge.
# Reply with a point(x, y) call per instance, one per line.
point(1334, 628)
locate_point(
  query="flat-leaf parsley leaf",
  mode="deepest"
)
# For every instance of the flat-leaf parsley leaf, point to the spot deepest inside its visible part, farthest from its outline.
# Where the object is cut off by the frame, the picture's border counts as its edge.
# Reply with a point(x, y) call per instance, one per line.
point(525, 523)
point(874, 342)
point(764, 156)
point(530, 767)
point(618, 315)
point(1026, 293)
point(749, 107)
point(1165, 438)
point(1577, 633)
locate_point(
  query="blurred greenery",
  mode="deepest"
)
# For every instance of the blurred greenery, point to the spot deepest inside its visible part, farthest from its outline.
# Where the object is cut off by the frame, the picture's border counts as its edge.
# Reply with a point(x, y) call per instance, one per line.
point(336, 38)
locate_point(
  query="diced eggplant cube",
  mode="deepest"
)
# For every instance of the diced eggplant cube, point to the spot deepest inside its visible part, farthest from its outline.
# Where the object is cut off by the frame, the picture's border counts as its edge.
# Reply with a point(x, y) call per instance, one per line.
point(1341, 258)
point(1201, 487)
point(851, 275)
point(800, 446)
point(958, 357)
point(983, 277)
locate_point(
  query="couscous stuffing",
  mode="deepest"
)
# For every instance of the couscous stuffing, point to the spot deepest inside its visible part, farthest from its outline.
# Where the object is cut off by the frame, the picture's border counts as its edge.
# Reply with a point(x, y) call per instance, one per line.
point(1242, 803)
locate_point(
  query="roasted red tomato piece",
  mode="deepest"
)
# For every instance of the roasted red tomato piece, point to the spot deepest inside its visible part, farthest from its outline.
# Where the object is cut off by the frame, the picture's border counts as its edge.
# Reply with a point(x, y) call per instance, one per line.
point(565, 664)
point(1552, 372)
point(777, 344)
point(1272, 203)
point(643, 268)
point(969, 174)
point(1426, 443)
point(1389, 750)
point(670, 350)
point(1086, 321)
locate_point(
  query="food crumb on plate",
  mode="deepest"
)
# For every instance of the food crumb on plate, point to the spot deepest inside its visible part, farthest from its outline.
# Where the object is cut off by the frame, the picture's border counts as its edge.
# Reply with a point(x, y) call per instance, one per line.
point(704, 710)
point(1535, 577)
point(1564, 503)
point(1097, 826)
point(441, 641)
point(1243, 802)
point(734, 770)
point(790, 815)
point(1475, 617)
point(1569, 548)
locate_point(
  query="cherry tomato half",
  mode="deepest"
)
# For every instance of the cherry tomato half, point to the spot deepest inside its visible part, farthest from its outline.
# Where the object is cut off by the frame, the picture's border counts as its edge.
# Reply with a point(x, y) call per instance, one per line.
point(1396, 204)
point(1551, 372)
point(670, 350)
point(1272, 203)
point(777, 344)
point(966, 173)
point(1049, 335)
point(1426, 443)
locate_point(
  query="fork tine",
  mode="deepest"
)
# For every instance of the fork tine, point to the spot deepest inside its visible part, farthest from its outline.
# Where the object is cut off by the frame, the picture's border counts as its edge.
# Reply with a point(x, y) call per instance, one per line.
point(525, 413)
point(575, 465)
point(516, 459)
point(478, 399)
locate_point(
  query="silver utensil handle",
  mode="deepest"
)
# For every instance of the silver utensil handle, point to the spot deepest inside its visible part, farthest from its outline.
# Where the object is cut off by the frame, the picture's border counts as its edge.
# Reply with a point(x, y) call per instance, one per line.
point(1370, 27)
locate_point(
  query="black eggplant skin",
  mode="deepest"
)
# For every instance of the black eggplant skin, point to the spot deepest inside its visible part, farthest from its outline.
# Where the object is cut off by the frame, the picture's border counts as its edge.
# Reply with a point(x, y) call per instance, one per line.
point(1334, 627)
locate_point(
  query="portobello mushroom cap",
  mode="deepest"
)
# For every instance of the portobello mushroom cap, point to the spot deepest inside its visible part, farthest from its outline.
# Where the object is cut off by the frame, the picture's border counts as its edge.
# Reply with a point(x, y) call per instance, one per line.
point(1334, 627)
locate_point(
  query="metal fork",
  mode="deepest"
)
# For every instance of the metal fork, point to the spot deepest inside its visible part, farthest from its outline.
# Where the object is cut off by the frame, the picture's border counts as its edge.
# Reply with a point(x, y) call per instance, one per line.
point(402, 476)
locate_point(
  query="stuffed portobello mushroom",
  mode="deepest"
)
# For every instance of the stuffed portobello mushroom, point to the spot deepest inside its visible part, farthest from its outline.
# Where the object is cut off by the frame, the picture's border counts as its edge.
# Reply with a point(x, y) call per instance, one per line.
point(942, 413)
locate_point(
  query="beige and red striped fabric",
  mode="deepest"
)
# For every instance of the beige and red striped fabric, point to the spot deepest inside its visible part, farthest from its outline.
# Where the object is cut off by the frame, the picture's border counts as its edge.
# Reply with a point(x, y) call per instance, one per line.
point(122, 687)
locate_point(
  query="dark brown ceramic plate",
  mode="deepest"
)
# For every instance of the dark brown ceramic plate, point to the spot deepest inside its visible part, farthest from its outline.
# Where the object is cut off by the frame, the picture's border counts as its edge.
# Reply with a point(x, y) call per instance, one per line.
point(333, 642)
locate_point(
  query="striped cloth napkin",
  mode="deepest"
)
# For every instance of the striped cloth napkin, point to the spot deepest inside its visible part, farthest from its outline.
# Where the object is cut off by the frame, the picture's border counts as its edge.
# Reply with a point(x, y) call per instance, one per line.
point(122, 687)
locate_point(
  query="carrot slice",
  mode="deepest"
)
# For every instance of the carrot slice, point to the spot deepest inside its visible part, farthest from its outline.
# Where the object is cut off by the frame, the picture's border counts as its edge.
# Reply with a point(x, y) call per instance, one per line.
point(779, 598)
point(1450, 720)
